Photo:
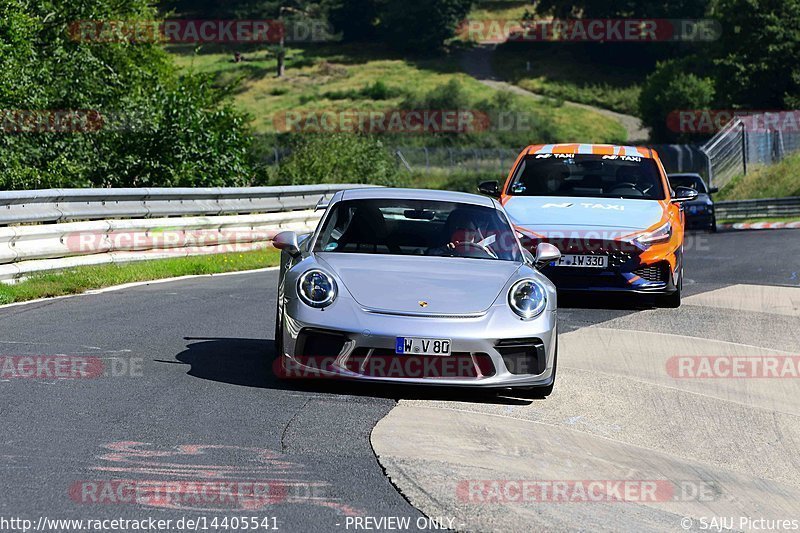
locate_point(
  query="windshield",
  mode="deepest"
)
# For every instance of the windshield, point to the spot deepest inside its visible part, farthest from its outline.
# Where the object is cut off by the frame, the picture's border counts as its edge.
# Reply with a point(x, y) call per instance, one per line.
point(418, 227)
point(692, 182)
point(588, 175)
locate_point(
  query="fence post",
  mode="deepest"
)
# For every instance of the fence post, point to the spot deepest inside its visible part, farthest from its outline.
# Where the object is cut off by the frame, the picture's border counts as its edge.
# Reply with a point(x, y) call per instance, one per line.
point(744, 148)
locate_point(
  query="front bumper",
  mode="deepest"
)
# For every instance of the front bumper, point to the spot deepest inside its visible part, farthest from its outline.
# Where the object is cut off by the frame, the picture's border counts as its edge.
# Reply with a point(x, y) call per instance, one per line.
point(492, 350)
point(699, 221)
point(630, 270)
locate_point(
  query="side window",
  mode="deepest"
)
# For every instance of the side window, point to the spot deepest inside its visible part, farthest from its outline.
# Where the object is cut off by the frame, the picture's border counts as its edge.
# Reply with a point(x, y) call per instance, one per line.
point(518, 183)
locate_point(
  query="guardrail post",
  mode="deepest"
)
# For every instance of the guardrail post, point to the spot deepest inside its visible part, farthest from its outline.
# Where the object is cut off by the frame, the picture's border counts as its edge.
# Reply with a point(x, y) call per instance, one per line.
point(744, 148)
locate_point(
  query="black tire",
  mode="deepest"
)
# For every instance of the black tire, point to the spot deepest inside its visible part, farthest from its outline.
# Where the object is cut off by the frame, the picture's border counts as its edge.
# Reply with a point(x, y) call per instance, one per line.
point(278, 343)
point(671, 301)
point(712, 228)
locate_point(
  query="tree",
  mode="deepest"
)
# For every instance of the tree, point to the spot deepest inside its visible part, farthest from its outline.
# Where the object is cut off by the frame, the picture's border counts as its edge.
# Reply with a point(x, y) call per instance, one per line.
point(185, 131)
point(757, 59)
point(669, 89)
point(421, 25)
point(624, 8)
point(356, 19)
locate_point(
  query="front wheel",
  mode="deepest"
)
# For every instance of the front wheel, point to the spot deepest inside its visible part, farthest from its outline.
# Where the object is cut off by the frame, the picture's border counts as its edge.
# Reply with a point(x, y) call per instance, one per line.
point(278, 335)
point(672, 300)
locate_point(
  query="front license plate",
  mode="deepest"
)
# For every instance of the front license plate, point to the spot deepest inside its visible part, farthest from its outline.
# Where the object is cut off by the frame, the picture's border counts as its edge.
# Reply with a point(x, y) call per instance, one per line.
point(591, 261)
point(420, 346)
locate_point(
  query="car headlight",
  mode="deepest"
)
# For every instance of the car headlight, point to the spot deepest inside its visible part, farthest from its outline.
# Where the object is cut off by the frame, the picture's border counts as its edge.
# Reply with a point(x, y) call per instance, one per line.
point(316, 288)
point(658, 235)
point(527, 298)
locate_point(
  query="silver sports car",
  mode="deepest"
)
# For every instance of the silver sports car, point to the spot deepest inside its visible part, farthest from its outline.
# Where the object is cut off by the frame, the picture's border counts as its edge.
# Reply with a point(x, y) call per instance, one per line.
point(418, 287)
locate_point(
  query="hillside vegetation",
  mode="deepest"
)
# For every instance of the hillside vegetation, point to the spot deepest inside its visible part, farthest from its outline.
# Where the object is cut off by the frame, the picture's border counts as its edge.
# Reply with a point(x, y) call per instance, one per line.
point(773, 181)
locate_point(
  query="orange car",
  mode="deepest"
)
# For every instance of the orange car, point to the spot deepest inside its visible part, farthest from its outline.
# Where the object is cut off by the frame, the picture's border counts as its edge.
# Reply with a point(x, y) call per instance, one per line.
point(609, 209)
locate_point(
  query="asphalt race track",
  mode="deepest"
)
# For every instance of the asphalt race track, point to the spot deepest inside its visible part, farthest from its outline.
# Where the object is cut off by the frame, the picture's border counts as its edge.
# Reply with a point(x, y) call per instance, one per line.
point(185, 399)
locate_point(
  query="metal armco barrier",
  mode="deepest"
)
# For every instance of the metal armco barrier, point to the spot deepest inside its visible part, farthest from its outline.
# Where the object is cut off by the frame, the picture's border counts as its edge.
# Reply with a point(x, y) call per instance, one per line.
point(53, 229)
point(759, 208)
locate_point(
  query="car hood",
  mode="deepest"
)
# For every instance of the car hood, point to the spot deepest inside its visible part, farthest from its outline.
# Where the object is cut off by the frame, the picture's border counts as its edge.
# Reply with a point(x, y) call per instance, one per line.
point(564, 213)
point(394, 283)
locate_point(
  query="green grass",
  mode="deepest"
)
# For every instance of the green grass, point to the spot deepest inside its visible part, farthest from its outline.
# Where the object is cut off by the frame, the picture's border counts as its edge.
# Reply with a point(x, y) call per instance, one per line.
point(500, 9)
point(82, 279)
point(561, 71)
point(452, 181)
point(332, 78)
point(773, 181)
point(754, 220)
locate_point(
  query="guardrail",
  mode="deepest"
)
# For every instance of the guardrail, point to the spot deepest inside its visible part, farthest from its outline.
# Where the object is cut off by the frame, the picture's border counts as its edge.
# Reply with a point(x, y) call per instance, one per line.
point(53, 229)
point(759, 208)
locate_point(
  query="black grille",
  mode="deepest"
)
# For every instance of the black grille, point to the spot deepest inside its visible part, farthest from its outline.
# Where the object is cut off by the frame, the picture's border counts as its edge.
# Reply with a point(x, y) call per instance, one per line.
point(383, 362)
point(319, 343)
point(657, 272)
point(523, 356)
point(618, 252)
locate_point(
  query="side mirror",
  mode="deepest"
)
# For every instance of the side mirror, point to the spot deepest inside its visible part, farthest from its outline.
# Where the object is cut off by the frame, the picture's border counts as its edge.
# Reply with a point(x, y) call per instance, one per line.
point(287, 241)
point(546, 253)
point(684, 194)
point(713, 190)
point(490, 188)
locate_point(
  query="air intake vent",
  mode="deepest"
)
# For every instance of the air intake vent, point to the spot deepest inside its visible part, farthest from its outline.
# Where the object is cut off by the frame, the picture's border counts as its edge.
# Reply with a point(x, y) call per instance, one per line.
point(656, 272)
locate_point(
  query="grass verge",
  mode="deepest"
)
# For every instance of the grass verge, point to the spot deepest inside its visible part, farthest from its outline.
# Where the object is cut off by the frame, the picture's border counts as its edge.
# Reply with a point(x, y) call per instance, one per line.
point(82, 279)
point(563, 72)
point(755, 220)
point(773, 181)
point(337, 78)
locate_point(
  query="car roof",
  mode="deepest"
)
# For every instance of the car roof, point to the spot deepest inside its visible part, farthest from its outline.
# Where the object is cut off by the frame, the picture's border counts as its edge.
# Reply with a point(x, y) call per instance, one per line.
point(368, 193)
point(595, 149)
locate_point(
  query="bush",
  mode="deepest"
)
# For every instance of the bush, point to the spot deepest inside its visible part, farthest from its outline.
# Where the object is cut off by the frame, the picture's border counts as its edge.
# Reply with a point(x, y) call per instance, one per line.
point(421, 26)
point(672, 87)
point(338, 158)
point(159, 128)
point(376, 91)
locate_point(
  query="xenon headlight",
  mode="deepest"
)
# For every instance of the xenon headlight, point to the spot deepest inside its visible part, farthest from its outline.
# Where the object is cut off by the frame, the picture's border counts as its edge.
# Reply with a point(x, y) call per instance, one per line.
point(661, 234)
point(527, 298)
point(316, 288)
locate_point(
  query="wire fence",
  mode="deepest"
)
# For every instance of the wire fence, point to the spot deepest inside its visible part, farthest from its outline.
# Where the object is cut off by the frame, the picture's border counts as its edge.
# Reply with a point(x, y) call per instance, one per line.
point(426, 159)
point(747, 142)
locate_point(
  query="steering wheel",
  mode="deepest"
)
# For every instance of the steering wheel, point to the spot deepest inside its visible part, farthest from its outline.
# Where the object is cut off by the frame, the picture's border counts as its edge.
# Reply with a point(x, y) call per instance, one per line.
point(629, 185)
point(463, 248)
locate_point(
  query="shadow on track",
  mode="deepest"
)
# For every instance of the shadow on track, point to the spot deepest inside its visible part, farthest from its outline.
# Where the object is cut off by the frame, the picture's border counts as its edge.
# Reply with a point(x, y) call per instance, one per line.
point(600, 300)
point(248, 362)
